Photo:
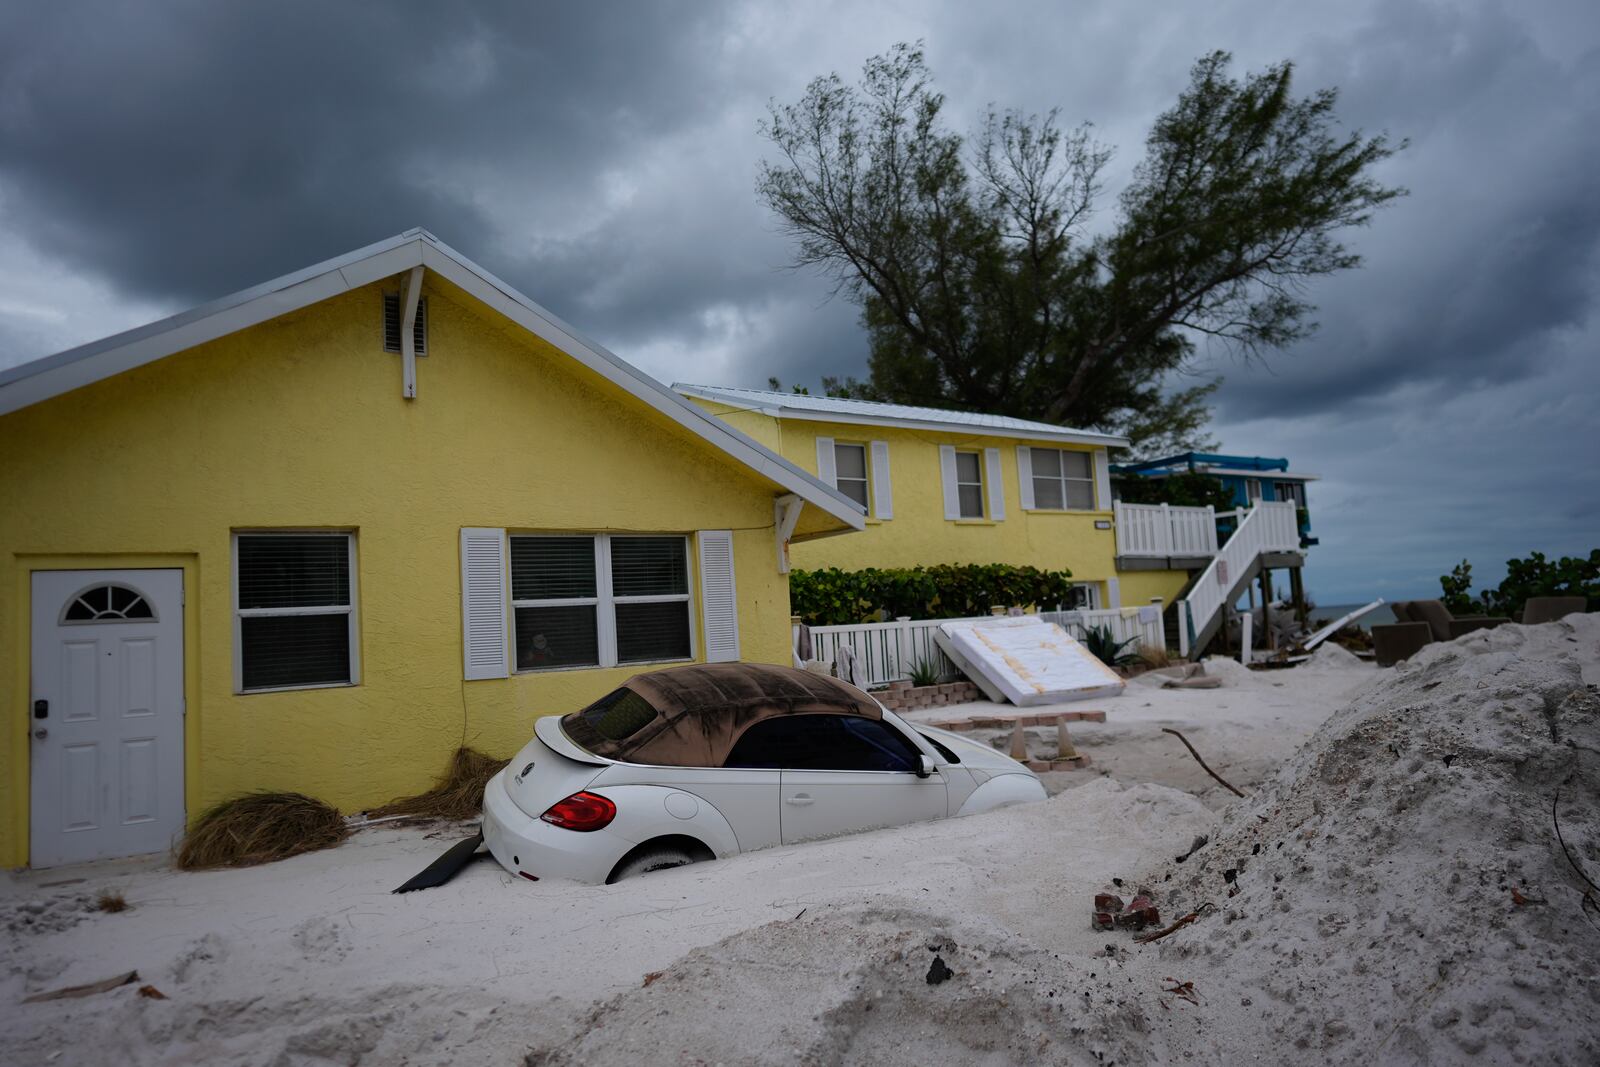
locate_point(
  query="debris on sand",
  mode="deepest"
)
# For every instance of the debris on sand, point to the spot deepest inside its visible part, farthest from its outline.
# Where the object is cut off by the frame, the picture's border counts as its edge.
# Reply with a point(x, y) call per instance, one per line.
point(260, 828)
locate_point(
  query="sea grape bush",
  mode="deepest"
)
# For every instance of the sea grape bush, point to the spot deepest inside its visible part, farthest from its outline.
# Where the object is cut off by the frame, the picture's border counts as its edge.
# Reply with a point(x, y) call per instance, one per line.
point(1525, 578)
point(835, 597)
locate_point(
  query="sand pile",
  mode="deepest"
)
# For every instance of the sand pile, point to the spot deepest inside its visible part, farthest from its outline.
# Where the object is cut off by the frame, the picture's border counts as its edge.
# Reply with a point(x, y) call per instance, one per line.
point(1401, 895)
point(870, 985)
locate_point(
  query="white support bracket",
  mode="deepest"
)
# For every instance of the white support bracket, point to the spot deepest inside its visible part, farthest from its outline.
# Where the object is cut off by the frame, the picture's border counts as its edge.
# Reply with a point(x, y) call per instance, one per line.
point(408, 342)
point(785, 514)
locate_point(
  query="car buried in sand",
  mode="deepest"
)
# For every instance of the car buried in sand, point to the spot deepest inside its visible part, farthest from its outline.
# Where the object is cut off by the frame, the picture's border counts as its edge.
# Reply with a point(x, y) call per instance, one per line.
point(706, 761)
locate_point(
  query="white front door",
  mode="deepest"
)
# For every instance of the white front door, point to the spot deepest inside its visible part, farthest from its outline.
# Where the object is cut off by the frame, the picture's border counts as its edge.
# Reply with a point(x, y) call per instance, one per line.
point(106, 714)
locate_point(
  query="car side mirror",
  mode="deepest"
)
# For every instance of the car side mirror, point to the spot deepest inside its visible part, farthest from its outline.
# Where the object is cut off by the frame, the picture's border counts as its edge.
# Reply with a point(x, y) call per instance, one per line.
point(924, 766)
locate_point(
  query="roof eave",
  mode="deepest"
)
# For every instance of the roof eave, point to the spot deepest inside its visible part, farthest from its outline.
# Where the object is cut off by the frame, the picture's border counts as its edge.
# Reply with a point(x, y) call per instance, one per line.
point(62, 372)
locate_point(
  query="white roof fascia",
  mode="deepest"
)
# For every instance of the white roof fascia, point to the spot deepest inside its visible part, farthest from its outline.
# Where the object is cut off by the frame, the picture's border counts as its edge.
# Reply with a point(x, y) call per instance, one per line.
point(857, 419)
point(41, 379)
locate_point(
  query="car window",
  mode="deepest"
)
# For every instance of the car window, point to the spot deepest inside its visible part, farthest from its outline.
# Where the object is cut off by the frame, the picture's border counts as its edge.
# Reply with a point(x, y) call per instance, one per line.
point(945, 751)
point(619, 714)
point(822, 743)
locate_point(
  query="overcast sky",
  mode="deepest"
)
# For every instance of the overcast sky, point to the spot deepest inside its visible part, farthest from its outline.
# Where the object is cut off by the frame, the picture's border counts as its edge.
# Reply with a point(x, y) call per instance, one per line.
point(602, 158)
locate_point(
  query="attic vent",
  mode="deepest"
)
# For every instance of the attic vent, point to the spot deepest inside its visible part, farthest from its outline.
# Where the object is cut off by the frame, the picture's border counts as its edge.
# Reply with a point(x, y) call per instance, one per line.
point(392, 316)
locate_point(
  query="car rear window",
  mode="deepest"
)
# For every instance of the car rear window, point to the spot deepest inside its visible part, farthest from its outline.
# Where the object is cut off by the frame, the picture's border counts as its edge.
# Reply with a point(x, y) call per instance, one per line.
point(619, 714)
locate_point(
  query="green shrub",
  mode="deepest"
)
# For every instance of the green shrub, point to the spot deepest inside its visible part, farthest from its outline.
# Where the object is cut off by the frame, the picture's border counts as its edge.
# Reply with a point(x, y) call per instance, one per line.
point(925, 672)
point(834, 597)
point(1107, 649)
point(1525, 578)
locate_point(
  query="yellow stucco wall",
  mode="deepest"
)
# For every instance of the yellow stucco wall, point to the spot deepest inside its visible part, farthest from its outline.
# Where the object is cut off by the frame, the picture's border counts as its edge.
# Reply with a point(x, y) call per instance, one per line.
point(919, 533)
point(299, 423)
point(1139, 586)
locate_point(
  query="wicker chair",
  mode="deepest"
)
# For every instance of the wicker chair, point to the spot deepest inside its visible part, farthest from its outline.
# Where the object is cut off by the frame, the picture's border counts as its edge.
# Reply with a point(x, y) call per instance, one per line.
point(1421, 622)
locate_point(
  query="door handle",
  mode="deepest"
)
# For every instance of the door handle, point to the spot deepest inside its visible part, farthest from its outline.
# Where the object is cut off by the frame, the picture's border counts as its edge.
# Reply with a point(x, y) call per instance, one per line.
point(41, 733)
point(799, 800)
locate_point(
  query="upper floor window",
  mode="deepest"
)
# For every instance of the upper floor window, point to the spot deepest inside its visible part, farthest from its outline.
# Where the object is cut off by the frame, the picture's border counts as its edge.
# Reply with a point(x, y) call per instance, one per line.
point(969, 484)
point(1294, 492)
point(1062, 480)
point(850, 471)
point(294, 610)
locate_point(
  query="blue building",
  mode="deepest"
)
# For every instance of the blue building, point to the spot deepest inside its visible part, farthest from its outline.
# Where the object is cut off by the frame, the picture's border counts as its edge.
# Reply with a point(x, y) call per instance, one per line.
point(1248, 478)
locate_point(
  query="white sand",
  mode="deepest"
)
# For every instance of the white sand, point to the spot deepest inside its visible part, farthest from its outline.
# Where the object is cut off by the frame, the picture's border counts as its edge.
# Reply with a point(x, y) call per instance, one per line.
point(818, 953)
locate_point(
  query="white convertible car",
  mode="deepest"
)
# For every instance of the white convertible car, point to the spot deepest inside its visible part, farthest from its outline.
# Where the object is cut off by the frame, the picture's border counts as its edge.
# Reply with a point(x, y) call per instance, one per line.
point(707, 761)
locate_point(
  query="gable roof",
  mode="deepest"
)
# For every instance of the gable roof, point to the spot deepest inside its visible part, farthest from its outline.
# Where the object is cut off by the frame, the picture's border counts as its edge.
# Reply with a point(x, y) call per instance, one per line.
point(50, 376)
point(873, 413)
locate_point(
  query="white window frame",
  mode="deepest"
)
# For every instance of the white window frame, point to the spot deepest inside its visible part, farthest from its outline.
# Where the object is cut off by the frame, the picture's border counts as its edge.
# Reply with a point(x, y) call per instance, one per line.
point(1062, 479)
point(866, 471)
point(1252, 490)
point(352, 610)
point(604, 602)
point(1093, 591)
point(983, 508)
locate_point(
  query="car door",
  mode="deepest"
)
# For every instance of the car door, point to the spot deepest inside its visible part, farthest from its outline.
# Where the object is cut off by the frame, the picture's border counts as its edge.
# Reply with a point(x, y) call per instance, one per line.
point(840, 774)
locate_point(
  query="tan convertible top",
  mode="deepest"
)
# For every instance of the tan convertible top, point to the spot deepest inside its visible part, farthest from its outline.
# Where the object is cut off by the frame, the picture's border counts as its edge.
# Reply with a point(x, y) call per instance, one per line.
point(692, 716)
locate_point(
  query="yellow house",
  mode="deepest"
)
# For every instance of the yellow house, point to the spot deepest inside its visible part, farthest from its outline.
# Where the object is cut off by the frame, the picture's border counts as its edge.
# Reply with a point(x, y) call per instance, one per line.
point(940, 486)
point(315, 535)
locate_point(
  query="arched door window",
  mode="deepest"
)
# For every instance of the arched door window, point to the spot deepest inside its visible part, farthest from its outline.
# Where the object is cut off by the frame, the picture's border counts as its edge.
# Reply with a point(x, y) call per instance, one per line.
point(108, 602)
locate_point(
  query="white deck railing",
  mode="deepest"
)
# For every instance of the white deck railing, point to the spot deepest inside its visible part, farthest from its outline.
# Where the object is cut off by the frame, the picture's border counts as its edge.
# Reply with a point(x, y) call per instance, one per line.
point(1267, 527)
point(888, 651)
point(1152, 530)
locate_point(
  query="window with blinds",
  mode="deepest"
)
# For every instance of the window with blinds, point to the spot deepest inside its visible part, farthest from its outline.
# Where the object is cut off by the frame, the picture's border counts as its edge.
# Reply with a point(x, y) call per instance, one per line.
point(294, 615)
point(599, 601)
point(1062, 480)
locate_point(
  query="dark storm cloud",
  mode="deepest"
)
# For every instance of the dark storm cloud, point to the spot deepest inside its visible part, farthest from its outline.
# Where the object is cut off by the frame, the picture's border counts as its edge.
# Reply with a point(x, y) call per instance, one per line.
point(203, 150)
point(1494, 252)
point(602, 158)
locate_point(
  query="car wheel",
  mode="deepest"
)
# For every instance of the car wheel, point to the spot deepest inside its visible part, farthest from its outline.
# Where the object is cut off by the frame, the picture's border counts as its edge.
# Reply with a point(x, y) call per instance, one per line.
point(655, 859)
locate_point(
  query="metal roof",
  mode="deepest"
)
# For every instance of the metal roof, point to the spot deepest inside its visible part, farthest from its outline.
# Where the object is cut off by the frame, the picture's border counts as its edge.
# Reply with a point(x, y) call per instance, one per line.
point(49, 376)
point(872, 412)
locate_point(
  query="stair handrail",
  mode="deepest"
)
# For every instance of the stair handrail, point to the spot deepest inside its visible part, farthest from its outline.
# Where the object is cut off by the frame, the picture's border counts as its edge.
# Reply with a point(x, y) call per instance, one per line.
point(1269, 526)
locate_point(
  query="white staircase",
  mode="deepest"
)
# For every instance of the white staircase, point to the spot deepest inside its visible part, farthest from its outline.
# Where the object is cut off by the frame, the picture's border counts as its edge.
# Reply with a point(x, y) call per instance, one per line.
point(1268, 527)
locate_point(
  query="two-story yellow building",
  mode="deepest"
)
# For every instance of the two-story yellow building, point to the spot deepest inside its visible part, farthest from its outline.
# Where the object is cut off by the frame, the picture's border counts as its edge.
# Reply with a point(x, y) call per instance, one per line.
point(940, 486)
point(315, 535)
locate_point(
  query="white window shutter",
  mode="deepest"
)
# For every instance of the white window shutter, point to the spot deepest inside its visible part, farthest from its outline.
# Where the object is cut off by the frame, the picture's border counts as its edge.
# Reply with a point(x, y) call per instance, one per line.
point(1025, 476)
point(882, 490)
point(719, 601)
point(483, 603)
point(1102, 479)
point(996, 487)
point(827, 472)
point(1114, 593)
point(947, 476)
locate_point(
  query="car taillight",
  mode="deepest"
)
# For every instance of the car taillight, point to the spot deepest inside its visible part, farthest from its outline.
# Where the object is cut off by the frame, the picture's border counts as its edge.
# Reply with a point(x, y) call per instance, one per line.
point(581, 811)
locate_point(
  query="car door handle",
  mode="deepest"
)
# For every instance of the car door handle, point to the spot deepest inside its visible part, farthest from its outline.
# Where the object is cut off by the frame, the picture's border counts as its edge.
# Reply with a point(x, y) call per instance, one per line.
point(799, 800)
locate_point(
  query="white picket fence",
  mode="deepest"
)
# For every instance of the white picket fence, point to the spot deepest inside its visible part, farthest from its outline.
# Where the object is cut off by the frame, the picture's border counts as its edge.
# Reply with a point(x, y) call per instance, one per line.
point(888, 651)
point(1151, 530)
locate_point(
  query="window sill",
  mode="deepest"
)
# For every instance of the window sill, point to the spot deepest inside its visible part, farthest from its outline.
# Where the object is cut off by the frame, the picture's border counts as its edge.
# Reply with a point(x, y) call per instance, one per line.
point(296, 688)
point(515, 671)
point(1096, 512)
point(974, 522)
